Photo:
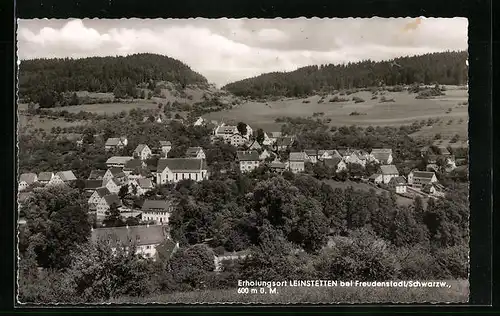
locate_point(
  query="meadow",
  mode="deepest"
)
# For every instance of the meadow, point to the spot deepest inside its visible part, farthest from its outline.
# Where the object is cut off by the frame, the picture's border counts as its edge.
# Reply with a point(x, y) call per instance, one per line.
point(404, 110)
point(457, 292)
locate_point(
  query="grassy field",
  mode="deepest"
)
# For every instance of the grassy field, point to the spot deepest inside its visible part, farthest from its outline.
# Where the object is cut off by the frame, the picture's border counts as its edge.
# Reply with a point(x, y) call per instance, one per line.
point(34, 122)
point(405, 110)
point(456, 292)
point(365, 187)
point(109, 108)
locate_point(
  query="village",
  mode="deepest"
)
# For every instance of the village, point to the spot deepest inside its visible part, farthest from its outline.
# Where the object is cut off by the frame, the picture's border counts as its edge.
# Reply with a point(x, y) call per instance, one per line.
point(131, 176)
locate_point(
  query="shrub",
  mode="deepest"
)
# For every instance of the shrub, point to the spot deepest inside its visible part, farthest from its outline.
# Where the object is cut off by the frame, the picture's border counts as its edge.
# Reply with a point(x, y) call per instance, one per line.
point(357, 99)
point(383, 99)
point(374, 97)
point(337, 99)
point(306, 101)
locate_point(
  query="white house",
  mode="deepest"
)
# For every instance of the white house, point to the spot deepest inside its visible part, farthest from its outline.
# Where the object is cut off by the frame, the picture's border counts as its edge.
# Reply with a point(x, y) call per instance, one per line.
point(156, 210)
point(177, 169)
point(96, 197)
point(421, 178)
point(376, 178)
point(116, 174)
point(104, 205)
point(96, 174)
point(118, 161)
point(141, 186)
point(354, 158)
point(237, 140)
point(45, 177)
point(388, 172)
point(335, 163)
point(144, 237)
point(284, 142)
point(264, 155)
point(398, 184)
point(142, 151)
point(324, 154)
point(297, 162)
point(165, 147)
point(62, 178)
point(195, 152)
point(27, 179)
point(248, 160)
point(112, 185)
point(311, 155)
point(116, 143)
point(382, 155)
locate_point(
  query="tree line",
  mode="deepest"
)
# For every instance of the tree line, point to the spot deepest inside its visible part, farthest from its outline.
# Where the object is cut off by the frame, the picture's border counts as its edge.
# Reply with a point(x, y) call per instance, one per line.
point(443, 68)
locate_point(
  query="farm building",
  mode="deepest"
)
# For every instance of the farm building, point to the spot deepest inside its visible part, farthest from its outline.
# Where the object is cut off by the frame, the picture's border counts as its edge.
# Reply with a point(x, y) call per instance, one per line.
point(140, 186)
point(156, 210)
point(27, 179)
point(115, 143)
point(106, 203)
point(248, 160)
point(382, 155)
point(398, 184)
point(142, 151)
point(96, 174)
point(118, 161)
point(421, 178)
point(96, 197)
point(297, 162)
point(388, 172)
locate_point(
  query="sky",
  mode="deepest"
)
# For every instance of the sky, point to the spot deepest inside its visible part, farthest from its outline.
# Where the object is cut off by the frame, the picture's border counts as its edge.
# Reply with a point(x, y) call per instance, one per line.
point(227, 50)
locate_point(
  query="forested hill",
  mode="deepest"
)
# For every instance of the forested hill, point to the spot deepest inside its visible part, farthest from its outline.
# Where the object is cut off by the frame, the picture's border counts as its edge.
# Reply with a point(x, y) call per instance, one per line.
point(100, 74)
point(443, 68)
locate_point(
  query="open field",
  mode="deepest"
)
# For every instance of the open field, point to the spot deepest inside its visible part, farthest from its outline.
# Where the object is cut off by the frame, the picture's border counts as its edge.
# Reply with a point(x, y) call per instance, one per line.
point(457, 291)
point(365, 187)
point(35, 121)
point(405, 110)
point(109, 108)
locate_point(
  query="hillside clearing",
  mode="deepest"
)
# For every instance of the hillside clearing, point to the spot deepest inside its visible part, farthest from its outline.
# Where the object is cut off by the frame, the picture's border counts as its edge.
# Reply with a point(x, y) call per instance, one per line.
point(33, 122)
point(457, 292)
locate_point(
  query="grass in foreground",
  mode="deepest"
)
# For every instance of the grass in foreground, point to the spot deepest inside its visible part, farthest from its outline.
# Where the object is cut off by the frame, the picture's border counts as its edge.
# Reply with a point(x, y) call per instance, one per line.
point(458, 292)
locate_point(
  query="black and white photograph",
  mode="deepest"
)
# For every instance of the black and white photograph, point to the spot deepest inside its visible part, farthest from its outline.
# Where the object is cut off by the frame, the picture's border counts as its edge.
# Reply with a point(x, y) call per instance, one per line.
point(224, 161)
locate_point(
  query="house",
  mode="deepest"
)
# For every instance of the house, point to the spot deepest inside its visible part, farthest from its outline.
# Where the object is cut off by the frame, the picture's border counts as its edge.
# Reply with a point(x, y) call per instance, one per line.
point(92, 185)
point(388, 172)
point(199, 122)
point(96, 197)
point(264, 155)
point(177, 169)
point(376, 178)
point(382, 155)
point(228, 256)
point(140, 186)
point(45, 177)
point(195, 152)
point(271, 137)
point(421, 178)
point(323, 154)
point(430, 188)
point(165, 147)
point(284, 142)
point(353, 157)
point(311, 155)
point(277, 166)
point(296, 162)
point(118, 161)
point(133, 165)
point(398, 184)
point(237, 140)
point(97, 174)
point(225, 131)
point(157, 210)
point(144, 237)
point(142, 151)
point(104, 205)
point(112, 185)
point(66, 176)
point(336, 164)
point(255, 146)
point(442, 151)
point(115, 143)
point(115, 173)
point(27, 179)
point(249, 160)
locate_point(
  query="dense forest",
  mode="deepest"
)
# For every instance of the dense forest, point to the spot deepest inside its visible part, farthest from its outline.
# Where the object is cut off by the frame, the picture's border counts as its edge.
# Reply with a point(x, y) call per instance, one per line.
point(442, 68)
point(39, 77)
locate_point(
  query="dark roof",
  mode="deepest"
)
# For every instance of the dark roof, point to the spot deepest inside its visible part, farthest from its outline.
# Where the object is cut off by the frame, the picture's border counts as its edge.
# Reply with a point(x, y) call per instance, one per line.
point(277, 165)
point(97, 174)
point(398, 181)
point(423, 174)
point(381, 150)
point(45, 176)
point(66, 175)
point(311, 152)
point(114, 141)
point(112, 198)
point(388, 169)
point(155, 204)
point(92, 184)
point(133, 164)
point(297, 156)
point(381, 156)
point(443, 150)
point(102, 191)
point(247, 155)
point(332, 162)
point(140, 148)
point(29, 178)
point(165, 143)
point(145, 183)
point(119, 160)
point(140, 235)
point(375, 176)
point(193, 151)
point(181, 164)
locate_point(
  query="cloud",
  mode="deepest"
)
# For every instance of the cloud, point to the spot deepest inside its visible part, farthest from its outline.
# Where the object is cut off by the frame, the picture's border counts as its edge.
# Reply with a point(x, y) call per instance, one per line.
point(226, 50)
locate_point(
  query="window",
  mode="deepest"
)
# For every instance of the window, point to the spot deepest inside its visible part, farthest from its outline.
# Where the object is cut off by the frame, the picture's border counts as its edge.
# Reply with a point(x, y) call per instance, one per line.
point(196, 177)
point(176, 176)
point(160, 222)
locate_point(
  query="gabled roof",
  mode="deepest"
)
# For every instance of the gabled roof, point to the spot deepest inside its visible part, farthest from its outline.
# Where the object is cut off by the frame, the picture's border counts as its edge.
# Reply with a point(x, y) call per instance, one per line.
point(255, 145)
point(381, 150)
point(193, 151)
point(140, 148)
point(45, 176)
point(112, 198)
point(103, 191)
point(29, 178)
point(117, 172)
point(423, 174)
point(140, 235)
point(311, 152)
point(274, 134)
point(277, 165)
point(398, 181)
point(227, 129)
point(97, 174)
point(165, 143)
point(119, 160)
point(92, 184)
point(66, 175)
point(181, 164)
point(332, 162)
point(156, 204)
point(145, 183)
point(297, 156)
point(133, 164)
point(381, 156)
point(443, 150)
point(388, 169)
point(375, 176)
point(114, 141)
point(251, 155)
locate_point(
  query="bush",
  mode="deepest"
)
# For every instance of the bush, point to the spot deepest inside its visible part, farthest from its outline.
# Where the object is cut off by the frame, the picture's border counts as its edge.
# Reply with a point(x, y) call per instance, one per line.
point(383, 99)
point(306, 101)
point(337, 99)
point(355, 113)
point(357, 99)
point(374, 97)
